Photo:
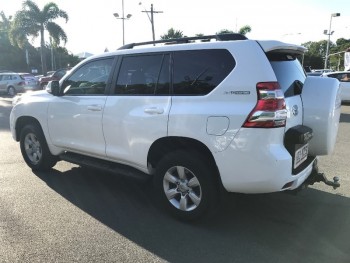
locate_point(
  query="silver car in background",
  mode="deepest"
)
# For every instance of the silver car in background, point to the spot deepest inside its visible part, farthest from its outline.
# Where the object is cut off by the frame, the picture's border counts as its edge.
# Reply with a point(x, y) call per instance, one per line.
point(11, 83)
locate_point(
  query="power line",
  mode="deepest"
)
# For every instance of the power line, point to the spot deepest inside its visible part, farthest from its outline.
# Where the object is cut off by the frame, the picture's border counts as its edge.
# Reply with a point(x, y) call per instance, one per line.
point(151, 19)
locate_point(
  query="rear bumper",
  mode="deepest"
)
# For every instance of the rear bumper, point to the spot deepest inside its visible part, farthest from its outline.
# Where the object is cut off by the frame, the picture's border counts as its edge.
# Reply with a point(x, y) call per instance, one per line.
point(259, 163)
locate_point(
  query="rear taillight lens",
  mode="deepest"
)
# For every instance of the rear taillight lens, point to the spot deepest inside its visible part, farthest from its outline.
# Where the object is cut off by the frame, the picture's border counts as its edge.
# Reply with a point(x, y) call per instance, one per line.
point(270, 110)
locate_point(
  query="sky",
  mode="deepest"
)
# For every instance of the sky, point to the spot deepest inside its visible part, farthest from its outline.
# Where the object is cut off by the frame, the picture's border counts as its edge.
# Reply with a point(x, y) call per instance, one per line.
point(93, 28)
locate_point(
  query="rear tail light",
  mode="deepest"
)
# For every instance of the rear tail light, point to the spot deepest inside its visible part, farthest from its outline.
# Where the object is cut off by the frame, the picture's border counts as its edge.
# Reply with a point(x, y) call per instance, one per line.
point(270, 110)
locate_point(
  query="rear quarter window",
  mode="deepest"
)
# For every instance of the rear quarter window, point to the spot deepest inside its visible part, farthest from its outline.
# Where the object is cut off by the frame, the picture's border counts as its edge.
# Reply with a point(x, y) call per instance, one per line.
point(198, 72)
point(289, 73)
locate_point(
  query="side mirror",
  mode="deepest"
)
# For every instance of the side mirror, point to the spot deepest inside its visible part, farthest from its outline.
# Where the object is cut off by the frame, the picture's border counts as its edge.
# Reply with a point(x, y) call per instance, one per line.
point(53, 87)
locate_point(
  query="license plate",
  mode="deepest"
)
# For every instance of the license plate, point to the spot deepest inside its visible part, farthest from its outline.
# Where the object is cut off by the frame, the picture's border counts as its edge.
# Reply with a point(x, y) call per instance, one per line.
point(301, 155)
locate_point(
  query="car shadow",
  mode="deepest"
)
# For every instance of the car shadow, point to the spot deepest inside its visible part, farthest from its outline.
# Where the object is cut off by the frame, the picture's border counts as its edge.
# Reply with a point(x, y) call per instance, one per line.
point(309, 227)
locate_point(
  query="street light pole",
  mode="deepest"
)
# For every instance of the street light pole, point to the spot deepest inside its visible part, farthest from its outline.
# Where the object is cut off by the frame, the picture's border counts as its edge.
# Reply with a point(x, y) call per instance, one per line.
point(329, 33)
point(116, 15)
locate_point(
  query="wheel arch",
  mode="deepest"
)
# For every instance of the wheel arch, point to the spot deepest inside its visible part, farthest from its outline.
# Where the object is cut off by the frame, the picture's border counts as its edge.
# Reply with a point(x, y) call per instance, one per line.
point(22, 122)
point(165, 145)
point(9, 87)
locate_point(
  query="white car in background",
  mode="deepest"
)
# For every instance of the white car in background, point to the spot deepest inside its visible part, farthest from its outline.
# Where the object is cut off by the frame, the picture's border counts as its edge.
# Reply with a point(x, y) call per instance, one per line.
point(344, 78)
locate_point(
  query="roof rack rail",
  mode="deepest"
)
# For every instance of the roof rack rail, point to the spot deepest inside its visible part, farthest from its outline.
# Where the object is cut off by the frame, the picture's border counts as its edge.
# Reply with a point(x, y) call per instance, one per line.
point(220, 37)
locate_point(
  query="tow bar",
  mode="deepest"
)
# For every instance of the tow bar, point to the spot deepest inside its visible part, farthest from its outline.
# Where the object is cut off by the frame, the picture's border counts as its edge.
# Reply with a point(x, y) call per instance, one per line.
point(316, 177)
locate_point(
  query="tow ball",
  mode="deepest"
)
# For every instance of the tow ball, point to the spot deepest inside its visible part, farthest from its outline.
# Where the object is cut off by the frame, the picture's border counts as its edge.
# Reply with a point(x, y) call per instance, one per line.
point(320, 177)
point(316, 177)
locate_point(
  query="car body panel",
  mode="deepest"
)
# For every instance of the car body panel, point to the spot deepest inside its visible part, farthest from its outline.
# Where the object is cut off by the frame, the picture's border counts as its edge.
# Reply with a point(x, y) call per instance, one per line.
point(74, 123)
point(131, 124)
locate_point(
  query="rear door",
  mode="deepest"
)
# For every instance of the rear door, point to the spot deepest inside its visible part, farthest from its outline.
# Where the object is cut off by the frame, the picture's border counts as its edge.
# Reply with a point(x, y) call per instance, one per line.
point(136, 113)
point(291, 77)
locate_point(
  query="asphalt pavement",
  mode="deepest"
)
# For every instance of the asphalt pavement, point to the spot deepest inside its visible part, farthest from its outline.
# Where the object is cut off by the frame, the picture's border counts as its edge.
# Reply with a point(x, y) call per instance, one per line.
point(73, 214)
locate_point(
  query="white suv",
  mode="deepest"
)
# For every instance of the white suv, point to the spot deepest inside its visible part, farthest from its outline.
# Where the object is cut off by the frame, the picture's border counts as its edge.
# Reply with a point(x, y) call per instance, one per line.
point(196, 117)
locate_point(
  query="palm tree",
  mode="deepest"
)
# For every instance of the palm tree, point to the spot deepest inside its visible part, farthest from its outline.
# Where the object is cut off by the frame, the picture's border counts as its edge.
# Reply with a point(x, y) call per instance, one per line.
point(172, 34)
point(5, 23)
point(31, 21)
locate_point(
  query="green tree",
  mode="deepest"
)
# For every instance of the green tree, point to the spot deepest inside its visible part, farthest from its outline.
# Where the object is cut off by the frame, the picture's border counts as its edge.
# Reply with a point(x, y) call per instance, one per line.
point(172, 33)
point(338, 50)
point(316, 52)
point(224, 31)
point(33, 22)
point(243, 30)
point(11, 58)
point(5, 23)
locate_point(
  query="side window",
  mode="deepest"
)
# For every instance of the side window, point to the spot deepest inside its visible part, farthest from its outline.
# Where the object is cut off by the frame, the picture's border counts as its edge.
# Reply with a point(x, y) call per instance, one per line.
point(144, 75)
point(345, 77)
point(89, 79)
point(336, 76)
point(198, 72)
point(6, 77)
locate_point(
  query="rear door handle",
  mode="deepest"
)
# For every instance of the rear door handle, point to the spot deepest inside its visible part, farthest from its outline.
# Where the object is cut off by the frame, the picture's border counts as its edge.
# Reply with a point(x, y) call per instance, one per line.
point(94, 108)
point(154, 110)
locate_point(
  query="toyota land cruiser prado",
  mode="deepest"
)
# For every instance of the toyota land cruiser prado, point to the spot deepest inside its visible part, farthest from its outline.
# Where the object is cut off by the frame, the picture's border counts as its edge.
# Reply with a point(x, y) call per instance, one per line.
point(197, 115)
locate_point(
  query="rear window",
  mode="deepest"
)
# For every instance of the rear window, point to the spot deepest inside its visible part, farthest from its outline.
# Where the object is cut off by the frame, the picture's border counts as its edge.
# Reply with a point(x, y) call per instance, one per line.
point(289, 73)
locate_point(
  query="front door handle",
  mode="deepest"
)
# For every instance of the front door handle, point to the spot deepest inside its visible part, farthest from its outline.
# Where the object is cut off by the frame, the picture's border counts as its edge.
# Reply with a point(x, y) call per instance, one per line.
point(94, 108)
point(154, 110)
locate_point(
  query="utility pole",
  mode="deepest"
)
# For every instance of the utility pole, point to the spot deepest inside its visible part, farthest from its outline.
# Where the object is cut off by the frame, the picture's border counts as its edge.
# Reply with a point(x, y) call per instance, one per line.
point(151, 19)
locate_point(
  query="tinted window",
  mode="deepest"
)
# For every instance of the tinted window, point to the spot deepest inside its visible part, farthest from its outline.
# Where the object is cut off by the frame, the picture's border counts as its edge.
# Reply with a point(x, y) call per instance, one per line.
point(59, 74)
point(198, 72)
point(144, 75)
point(89, 79)
point(343, 77)
point(289, 73)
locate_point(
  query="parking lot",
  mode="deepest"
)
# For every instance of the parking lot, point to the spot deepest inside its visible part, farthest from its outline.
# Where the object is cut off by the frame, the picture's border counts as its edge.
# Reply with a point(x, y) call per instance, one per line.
point(72, 214)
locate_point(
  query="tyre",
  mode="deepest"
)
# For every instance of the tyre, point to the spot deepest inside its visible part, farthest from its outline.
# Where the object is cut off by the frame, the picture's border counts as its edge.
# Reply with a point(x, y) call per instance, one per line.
point(11, 91)
point(185, 185)
point(35, 150)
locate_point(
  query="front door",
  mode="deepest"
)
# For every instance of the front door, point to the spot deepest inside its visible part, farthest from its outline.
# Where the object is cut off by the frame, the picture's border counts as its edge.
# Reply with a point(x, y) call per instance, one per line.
point(75, 118)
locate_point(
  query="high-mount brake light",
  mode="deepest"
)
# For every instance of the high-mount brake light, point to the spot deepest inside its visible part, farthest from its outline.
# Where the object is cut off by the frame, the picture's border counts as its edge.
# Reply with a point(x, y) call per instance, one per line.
point(270, 110)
